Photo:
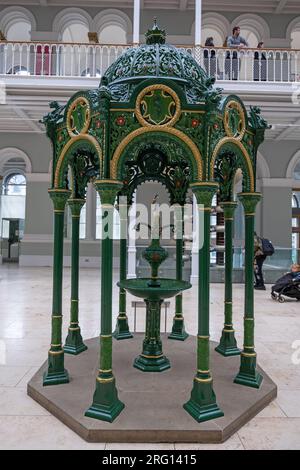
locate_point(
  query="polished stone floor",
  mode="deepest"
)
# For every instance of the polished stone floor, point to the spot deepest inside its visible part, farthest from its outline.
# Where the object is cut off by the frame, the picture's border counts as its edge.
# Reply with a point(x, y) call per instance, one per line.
point(25, 309)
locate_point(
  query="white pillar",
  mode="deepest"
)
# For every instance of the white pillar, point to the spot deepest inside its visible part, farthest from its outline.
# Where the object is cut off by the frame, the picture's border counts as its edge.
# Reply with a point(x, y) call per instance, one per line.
point(195, 248)
point(90, 213)
point(131, 268)
point(198, 22)
point(136, 21)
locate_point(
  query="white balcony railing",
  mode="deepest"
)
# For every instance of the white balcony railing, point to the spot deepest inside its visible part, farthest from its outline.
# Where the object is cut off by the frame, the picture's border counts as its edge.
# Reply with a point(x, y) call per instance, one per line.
point(86, 60)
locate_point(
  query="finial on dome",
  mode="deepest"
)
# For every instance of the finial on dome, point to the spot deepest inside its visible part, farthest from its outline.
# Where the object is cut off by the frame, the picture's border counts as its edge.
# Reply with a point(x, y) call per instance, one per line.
point(155, 35)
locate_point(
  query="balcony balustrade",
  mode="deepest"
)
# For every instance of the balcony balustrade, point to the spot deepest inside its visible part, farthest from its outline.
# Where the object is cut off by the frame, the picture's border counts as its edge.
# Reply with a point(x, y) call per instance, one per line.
point(89, 60)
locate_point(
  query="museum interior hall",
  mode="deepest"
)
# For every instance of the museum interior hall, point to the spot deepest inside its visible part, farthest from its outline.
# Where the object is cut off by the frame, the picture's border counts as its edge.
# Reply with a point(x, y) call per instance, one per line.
point(150, 225)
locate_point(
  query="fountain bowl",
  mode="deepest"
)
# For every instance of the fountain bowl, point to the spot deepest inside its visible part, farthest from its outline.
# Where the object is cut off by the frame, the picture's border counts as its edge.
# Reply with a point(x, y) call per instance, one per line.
point(165, 289)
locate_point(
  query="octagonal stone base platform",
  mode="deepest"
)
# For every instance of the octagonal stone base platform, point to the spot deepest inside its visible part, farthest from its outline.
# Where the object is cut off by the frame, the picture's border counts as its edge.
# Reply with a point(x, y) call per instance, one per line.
point(153, 401)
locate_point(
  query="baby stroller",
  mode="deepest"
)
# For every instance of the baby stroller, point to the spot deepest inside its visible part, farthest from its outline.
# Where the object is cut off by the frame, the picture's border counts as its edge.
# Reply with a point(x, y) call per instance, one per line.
point(286, 286)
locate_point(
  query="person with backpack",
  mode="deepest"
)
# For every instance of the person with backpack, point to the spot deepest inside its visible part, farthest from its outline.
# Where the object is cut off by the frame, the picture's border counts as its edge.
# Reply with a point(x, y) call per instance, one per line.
point(262, 248)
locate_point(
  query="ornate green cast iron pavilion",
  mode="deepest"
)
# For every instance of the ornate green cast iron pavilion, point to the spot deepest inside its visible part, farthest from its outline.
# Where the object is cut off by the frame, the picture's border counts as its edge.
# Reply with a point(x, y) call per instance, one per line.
point(156, 116)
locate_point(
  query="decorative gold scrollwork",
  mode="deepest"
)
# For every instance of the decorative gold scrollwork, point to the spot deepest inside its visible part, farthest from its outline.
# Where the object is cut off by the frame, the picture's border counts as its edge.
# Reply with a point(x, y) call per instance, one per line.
point(234, 120)
point(158, 105)
point(79, 117)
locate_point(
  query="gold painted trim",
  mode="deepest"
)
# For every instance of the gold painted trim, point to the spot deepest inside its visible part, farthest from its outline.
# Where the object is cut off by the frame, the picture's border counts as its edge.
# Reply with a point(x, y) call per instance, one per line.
point(105, 371)
point(58, 211)
point(122, 110)
point(152, 88)
point(203, 337)
point(108, 181)
point(203, 380)
point(105, 336)
point(239, 108)
point(228, 331)
point(88, 117)
point(67, 147)
point(248, 354)
point(56, 345)
point(204, 183)
point(192, 111)
point(203, 371)
point(168, 130)
point(152, 357)
point(246, 155)
point(100, 380)
point(74, 329)
point(56, 353)
point(56, 316)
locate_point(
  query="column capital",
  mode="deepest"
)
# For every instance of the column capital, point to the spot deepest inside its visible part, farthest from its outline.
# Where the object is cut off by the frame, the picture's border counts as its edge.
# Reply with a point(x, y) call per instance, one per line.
point(59, 198)
point(204, 192)
point(249, 201)
point(229, 208)
point(75, 206)
point(108, 190)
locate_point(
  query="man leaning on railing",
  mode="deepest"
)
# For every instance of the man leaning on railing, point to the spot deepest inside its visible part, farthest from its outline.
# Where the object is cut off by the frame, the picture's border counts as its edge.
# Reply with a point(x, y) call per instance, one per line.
point(232, 61)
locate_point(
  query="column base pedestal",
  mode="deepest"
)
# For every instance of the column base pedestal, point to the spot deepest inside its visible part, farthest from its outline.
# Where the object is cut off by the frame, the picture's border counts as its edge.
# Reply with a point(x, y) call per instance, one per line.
point(228, 346)
point(106, 406)
point(152, 364)
point(202, 405)
point(248, 374)
point(122, 329)
point(249, 380)
point(56, 378)
point(178, 330)
point(74, 343)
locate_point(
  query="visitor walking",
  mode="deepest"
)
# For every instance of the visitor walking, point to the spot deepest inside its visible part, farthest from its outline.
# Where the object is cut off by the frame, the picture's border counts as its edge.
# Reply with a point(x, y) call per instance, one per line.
point(259, 259)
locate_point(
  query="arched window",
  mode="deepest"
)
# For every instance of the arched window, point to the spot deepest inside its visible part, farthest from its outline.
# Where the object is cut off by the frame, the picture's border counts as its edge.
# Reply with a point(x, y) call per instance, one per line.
point(112, 34)
point(76, 33)
point(113, 26)
point(296, 173)
point(17, 23)
point(253, 28)
point(19, 31)
point(208, 32)
point(251, 37)
point(13, 201)
point(14, 185)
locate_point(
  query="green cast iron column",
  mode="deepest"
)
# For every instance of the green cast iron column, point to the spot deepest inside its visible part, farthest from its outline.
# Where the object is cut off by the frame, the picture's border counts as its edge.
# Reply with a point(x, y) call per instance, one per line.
point(228, 345)
point(178, 328)
point(106, 406)
point(56, 373)
point(248, 374)
point(74, 343)
point(202, 405)
point(122, 327)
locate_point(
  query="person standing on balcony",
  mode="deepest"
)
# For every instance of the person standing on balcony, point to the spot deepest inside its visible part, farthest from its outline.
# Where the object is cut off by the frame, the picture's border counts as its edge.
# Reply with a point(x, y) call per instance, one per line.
point(210, 57)
point(236, 41)
point(260, 64)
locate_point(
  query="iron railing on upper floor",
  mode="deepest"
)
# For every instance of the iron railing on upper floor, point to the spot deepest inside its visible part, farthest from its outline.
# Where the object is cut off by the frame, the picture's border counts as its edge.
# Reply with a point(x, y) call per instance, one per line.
point(91, 60)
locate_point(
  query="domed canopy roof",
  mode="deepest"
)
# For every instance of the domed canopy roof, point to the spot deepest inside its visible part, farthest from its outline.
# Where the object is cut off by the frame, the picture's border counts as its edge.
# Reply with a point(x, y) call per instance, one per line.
point(156, 59)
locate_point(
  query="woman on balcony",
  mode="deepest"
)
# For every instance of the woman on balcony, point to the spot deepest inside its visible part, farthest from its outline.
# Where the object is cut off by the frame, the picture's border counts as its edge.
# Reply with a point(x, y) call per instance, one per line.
point(260, 64)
